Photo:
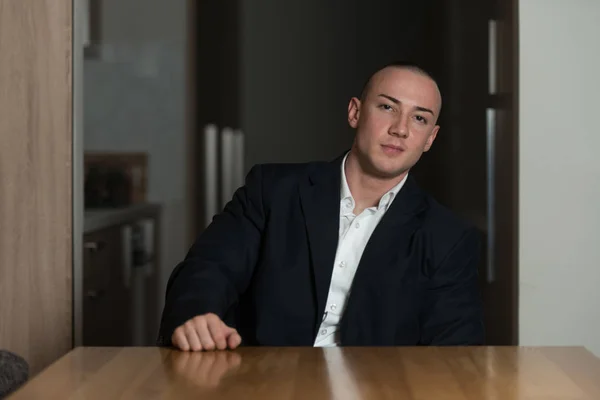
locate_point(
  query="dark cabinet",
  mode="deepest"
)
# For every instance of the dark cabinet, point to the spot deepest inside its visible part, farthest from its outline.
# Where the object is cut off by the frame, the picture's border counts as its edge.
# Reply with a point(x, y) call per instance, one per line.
point(120, 278)
point(107, 318)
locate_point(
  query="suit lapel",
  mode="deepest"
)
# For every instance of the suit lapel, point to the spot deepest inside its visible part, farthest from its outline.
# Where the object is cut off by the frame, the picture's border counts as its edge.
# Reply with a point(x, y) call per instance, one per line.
point(382, 258)
point(320, 200)
point(393, 231)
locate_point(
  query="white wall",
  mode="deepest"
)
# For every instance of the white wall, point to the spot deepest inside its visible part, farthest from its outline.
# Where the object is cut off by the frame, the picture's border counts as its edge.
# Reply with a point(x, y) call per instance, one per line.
point(134, 100)
point(559, 173)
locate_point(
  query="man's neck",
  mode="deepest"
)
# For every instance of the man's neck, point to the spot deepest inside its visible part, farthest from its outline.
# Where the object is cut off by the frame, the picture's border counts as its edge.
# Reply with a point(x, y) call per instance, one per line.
point(367, 190)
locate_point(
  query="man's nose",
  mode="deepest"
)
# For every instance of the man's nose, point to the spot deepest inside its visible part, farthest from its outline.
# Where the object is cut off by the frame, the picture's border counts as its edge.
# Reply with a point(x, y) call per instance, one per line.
point(400, 127)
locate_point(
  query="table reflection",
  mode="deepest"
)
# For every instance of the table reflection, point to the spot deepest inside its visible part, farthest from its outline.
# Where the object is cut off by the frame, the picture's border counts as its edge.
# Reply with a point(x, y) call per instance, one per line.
point(205, 369)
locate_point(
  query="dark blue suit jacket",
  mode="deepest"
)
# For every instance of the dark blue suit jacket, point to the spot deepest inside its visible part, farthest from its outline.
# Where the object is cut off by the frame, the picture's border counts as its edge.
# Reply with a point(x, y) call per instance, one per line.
point(264, 265)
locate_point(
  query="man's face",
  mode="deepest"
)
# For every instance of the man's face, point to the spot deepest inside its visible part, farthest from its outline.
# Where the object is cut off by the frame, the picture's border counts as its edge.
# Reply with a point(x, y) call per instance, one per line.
point(395, 122)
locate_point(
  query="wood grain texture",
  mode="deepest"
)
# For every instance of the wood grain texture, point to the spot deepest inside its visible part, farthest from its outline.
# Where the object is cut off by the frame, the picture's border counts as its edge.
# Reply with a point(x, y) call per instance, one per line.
point(35, 179)
point(313, 373)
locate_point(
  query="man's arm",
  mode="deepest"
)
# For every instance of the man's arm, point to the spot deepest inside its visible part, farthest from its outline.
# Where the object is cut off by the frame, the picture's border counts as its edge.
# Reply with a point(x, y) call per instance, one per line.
point(219, 266)
point(453, 311)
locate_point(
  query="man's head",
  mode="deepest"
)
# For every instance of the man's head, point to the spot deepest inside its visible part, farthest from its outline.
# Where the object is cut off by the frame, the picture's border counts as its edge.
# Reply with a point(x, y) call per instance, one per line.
point(395, 119)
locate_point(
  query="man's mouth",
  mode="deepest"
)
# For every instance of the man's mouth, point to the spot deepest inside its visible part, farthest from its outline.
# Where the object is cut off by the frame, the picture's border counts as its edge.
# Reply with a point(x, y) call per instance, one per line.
point(392, 149)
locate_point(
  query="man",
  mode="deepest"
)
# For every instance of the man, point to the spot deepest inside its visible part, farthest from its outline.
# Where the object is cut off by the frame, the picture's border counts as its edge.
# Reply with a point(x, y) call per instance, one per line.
point(349, 252)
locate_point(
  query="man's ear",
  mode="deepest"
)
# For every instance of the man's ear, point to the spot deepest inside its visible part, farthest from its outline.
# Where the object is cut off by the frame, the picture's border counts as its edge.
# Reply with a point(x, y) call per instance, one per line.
point(431, 138)
point(354, 112)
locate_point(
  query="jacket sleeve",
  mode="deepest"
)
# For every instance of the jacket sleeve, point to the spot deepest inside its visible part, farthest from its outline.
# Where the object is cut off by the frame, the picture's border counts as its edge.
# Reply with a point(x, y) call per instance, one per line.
point(452, 312)
point(220, 264)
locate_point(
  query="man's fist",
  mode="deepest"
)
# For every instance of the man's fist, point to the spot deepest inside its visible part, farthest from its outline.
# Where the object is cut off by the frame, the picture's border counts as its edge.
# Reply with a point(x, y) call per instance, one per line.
point(205, 332)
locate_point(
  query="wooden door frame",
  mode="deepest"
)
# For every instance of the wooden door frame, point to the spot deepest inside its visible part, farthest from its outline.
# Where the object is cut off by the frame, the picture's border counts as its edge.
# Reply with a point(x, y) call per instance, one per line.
point(507, 167)
point(191, 121)
point(36, 166)
point(78, 173)
point(513, 231)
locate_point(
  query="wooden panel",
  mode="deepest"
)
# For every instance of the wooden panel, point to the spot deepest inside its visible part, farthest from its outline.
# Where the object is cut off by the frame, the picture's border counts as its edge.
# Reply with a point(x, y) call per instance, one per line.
point(453, 373)
point(35, 179)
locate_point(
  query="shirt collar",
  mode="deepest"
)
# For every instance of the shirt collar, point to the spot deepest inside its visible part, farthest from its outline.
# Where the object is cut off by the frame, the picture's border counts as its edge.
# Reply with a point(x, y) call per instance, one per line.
point(347, 199)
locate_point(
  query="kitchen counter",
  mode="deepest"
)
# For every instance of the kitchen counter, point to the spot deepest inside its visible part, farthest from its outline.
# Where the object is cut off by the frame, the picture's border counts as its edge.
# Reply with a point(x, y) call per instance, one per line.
point(96, 219)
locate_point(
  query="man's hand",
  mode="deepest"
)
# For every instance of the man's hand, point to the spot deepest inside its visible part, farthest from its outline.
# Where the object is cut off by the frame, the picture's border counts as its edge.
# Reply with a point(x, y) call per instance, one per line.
point(205, 332)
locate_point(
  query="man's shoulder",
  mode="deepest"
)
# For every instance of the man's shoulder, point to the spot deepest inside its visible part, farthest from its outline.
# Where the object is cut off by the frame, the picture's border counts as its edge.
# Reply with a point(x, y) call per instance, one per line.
point(446, 231)
point(439, 213)
point(273, 174)
point(441, 221)
point(286, 169)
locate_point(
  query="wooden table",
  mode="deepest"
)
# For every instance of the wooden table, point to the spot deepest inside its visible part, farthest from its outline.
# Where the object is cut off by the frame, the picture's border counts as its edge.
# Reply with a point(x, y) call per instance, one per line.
point(501, 373)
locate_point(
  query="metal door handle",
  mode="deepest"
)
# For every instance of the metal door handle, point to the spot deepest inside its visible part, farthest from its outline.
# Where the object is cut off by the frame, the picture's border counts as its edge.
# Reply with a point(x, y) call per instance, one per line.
point(491, 223)
point(94, 246)
point(211, 166)
point(95, 294)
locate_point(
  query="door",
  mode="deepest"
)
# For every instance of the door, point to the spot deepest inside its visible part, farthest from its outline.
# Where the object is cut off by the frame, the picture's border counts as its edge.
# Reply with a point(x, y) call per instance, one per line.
point(472, 166)
point(501, 285)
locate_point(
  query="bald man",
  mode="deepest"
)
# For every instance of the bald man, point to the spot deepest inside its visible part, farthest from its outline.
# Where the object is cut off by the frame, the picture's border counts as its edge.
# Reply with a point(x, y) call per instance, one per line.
point(344, 253)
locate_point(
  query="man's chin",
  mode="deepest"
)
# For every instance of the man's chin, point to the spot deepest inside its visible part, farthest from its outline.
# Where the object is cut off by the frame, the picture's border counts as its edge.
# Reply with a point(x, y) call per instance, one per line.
point(383, 172)
point(382, 168)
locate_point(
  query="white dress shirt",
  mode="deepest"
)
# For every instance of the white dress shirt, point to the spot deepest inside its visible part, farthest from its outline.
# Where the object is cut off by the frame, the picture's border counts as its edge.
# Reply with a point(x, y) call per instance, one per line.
point(354, 234)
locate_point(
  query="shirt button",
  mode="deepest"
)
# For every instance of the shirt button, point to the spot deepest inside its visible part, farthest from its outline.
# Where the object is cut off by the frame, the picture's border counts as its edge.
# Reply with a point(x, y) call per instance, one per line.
point(348, 203)
point(357, 225)
point(333, 307)
point(324, 331)
point(342, 264)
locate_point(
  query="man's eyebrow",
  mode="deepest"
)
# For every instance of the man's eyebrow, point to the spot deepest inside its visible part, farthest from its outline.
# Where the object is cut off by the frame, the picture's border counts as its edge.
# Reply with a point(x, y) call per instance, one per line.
point(396, 101)
point(390, 98)
point(427, 110)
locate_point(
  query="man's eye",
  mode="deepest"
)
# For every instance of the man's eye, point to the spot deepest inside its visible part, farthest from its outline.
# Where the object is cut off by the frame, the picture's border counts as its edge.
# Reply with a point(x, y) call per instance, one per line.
point(421, 119)
point(386, 107)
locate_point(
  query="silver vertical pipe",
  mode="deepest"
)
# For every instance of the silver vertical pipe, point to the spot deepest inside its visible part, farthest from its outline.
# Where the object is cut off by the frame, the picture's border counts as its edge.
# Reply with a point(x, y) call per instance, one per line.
point(491, 223)
point(227, 165)
point(211, 167)
point(128, 278)
point(239, 158)
point(148, 229)
point(126, 255)
point(492, 56)
point(491, 159)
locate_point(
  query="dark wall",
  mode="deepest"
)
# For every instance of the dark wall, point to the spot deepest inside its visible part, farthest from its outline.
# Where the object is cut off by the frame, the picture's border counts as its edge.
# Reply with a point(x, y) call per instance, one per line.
point(217, 62)
point(302, 62)
point(284, 72)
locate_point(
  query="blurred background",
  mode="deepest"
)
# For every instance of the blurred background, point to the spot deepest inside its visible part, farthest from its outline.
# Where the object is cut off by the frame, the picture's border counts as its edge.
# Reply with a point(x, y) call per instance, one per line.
point(127, 124)
point(182, 97)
